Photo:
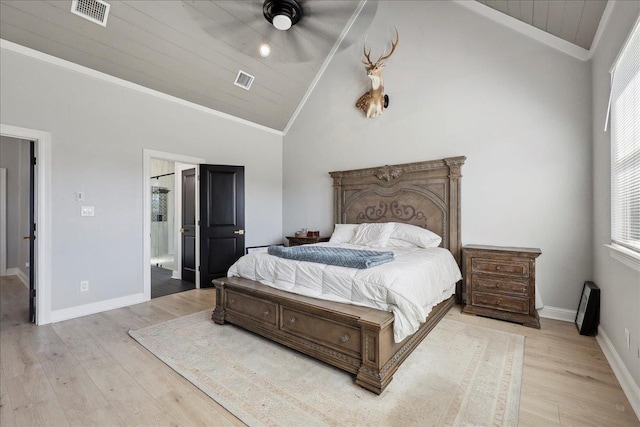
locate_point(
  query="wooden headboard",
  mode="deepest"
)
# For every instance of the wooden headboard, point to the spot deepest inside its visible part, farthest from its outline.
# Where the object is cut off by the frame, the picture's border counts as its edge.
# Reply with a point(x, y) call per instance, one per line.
point(426, 194)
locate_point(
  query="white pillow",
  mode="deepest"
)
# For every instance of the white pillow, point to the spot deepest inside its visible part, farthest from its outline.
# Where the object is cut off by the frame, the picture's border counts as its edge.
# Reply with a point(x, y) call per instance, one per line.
point(418, 236)
point(343, 233)
point(376, 234)
point(397, 243)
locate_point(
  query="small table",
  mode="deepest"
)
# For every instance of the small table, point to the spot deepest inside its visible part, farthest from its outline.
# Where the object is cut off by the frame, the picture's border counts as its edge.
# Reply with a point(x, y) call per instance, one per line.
point(298, 241)
point(500, 282)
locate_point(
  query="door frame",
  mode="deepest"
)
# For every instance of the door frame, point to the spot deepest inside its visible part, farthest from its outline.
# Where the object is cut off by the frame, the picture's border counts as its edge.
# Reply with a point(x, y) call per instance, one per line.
point(147, 155)
point(3, 221)
point(43, 215)
point(177, 273)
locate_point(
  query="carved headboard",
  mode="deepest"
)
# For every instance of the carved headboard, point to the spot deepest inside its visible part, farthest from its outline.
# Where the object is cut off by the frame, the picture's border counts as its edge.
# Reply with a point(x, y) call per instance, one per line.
point(426, 194)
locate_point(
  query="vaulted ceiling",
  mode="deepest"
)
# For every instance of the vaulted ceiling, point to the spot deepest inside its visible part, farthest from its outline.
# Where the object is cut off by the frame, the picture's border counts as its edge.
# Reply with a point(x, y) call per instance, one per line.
point(575, 21)
point(194, 49)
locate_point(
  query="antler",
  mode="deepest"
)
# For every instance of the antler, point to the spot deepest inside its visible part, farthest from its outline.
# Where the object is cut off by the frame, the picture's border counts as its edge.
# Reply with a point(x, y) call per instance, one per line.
point(384, 57)
point(368, 62)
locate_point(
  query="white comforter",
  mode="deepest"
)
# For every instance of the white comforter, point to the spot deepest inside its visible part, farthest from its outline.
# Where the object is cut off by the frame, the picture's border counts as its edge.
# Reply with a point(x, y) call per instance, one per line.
point(410, 286)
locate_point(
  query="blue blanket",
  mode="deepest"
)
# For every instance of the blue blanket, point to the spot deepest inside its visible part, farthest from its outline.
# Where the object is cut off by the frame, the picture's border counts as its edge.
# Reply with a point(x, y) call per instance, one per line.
point(352, 258)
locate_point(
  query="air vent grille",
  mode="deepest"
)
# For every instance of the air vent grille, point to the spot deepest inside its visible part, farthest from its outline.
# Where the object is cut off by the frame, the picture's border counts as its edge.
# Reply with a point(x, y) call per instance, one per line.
point(96, 11)
point(243, 80)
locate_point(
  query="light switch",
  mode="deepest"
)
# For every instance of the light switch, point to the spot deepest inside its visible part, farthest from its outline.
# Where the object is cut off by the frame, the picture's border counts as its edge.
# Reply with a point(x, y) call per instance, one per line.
point(87, 211)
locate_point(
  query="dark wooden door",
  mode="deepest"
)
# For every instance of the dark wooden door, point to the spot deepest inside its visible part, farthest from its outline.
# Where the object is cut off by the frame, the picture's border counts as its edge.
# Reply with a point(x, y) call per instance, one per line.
point(221, 220)
point(188, 229)
point(32, 233)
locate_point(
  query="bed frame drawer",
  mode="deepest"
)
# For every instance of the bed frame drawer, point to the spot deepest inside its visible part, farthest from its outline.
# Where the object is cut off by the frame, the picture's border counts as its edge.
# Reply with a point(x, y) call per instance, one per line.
point(257, 309)
point(321, 330)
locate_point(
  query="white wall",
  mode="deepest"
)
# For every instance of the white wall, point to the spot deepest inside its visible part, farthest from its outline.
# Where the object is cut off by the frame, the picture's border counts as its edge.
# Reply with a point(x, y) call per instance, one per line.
point(99, 130)
point(459, 84)
point(619, 283)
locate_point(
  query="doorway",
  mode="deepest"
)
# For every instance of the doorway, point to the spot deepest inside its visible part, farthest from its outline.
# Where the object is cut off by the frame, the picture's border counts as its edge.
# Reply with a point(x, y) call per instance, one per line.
point(162, 239)
point(216, 241)
point(38, 272)
point(15, 208)
point(173, 224)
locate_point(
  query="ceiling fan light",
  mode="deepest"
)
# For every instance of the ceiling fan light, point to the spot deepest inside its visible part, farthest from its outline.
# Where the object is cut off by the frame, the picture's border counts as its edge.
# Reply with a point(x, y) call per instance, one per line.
point(282, 22)
point(282, 14)
point(265, 50)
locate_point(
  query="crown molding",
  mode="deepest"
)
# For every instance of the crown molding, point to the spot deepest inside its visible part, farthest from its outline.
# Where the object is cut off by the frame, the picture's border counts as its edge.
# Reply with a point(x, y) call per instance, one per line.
point(528, 30)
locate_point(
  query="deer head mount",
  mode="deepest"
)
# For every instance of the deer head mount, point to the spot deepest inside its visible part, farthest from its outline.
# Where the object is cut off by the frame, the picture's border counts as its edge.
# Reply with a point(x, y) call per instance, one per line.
point(374, 100)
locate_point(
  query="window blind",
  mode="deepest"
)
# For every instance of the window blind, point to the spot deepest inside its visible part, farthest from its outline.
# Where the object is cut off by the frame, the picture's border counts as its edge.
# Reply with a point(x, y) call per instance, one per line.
point(625, 145)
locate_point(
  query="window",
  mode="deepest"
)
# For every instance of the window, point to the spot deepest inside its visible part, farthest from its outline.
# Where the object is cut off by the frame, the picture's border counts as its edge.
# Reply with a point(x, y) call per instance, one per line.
point(625, 145)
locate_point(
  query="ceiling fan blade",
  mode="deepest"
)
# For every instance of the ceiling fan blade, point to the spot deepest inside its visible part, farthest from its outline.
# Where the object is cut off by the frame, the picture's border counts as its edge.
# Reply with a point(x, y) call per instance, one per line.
point(315, 32)
point(299, 50)
point(242, 26)
point(361, 25)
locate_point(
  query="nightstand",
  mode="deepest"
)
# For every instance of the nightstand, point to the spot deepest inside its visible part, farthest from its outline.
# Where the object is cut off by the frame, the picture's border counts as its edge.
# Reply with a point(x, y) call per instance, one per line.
point(298, 241)
point(500, 282)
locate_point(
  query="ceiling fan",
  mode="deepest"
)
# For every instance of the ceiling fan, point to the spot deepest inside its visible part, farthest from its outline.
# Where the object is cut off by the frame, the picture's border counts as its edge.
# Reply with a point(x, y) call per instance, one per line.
point(282, 13)
point(289, 31)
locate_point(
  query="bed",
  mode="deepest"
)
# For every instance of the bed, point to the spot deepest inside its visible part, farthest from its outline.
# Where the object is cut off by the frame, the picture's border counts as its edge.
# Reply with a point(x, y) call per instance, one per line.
point(356, 338)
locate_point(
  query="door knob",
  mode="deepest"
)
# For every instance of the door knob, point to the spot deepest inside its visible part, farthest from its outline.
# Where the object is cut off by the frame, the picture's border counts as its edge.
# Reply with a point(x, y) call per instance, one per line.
point(182, 229)
point(26, 237)
point(241, 232)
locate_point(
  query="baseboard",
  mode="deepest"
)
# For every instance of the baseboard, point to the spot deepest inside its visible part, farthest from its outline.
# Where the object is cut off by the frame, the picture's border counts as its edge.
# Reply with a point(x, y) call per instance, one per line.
point(556, 313)
point(23, 278)
point(17, 272)
point(96, 307)
point(629, 386)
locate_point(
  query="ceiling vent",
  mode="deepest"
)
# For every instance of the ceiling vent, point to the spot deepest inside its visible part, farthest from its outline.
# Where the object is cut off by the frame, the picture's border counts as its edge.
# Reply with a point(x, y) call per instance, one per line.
point(243, 80)
point(96, 11)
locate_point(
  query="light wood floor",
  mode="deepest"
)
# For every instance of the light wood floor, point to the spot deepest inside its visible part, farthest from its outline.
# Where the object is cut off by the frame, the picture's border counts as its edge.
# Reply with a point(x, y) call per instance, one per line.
point(89, 372)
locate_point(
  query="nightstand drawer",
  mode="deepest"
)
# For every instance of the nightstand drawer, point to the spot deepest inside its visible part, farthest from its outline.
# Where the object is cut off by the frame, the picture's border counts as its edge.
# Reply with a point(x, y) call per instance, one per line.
point(501, 302)
point(500, 285)
point(501, 268)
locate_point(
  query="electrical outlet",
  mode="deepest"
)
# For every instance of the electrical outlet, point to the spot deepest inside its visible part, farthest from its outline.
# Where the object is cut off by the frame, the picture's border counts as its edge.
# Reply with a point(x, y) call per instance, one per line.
point(627, 338)
point(26, 264)
point(84, 286)
point(87, 211)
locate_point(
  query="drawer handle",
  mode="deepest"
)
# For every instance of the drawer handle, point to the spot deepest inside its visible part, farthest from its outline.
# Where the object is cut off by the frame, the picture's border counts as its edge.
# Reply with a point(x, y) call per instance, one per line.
point(498, 285)
point(345, 338)
point(231, 301)
point(497, 267)
point(498, 302)
point(292, 320)
point(267, 312)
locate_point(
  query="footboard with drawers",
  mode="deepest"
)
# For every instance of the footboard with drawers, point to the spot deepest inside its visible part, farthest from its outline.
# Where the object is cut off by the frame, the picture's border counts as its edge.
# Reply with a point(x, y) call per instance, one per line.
point(353, 338)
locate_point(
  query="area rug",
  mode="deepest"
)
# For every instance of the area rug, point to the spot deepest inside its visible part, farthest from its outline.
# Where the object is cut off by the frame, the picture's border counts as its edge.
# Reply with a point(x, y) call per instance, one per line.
point(459, 375)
